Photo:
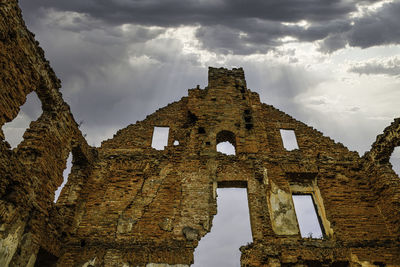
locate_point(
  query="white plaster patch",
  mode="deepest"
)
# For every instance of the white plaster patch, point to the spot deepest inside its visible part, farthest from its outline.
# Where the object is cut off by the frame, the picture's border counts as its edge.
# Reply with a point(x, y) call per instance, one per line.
point(283, 217)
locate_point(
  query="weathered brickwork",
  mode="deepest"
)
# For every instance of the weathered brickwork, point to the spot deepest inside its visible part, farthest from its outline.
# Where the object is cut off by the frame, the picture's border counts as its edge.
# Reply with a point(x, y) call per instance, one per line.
point(128, 204)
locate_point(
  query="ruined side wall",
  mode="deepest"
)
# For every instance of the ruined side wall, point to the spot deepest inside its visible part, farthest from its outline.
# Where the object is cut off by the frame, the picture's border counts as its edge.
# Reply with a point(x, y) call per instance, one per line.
point(31, 173)
point(381, 177)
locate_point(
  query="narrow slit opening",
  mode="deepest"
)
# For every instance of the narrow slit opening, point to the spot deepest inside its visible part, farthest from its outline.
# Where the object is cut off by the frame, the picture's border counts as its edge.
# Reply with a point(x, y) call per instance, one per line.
point(66, 173)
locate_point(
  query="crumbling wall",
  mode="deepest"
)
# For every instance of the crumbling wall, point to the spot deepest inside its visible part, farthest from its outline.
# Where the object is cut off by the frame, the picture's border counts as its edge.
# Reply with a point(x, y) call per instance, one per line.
point(153, 203)
point(381, 177)
point(128, 204)
point(31, 173)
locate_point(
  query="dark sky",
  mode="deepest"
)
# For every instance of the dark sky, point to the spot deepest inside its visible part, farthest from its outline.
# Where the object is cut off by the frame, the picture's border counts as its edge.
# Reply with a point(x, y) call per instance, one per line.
point(332, 64)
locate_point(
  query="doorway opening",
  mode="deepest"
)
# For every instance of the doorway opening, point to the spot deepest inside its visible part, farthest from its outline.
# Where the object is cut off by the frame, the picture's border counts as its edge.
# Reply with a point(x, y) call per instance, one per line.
point(230, 230)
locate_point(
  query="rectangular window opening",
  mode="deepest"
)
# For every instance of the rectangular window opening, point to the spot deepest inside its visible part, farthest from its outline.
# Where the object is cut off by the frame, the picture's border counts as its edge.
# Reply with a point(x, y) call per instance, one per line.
point(160, 138)
point(289, 139)
point(307, 216)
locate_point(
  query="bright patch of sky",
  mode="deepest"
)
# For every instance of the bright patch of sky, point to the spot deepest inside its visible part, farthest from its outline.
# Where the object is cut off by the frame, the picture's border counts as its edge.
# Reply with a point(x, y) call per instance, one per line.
point(160, 138)
point(395, 160)
point(15, 129)
point(226, 148)
point(230, 230)
point(66, 173)
point(307, 216)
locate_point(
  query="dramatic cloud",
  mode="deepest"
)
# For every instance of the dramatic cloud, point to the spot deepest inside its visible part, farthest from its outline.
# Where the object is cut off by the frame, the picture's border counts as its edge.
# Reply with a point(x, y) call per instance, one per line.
point(204, 12)
point(373, 28)
point(248, 27)
point(389, 67)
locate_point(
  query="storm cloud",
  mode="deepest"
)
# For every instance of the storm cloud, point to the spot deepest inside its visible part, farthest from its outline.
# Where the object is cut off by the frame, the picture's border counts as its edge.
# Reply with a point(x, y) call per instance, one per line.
point(374, 28)
point(245, 27)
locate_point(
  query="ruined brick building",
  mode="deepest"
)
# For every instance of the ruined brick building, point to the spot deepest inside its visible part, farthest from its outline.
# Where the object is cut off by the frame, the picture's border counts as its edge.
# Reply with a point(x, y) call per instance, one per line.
point(128, 204)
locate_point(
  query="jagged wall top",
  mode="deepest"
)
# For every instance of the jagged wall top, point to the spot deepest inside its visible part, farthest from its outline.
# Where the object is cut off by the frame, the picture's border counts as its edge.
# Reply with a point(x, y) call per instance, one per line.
point(220, 77)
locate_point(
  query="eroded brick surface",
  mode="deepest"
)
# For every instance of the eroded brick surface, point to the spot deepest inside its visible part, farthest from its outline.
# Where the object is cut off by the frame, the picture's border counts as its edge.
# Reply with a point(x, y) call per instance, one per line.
point(127, 204)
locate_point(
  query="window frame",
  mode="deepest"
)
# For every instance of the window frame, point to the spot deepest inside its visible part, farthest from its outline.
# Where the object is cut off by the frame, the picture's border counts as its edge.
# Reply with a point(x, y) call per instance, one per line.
point(316, 209)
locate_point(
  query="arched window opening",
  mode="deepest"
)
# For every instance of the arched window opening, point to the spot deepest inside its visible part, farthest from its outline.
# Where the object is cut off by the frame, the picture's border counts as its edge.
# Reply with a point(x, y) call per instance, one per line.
point(226, 148)
point(66, 173)
point(230, 230)
point(15, 129)
point(395, 160)
point(226, 143)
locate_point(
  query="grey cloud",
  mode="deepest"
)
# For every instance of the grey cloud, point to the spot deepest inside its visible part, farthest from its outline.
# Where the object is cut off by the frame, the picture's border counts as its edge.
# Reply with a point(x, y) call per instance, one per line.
point(376, 28)
point(221, 22)
point(175, 12)
point(250, 36)
point(239, 27)
point(389, 67)
point(108, 73)
point(332, 43)
point(225, 40)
